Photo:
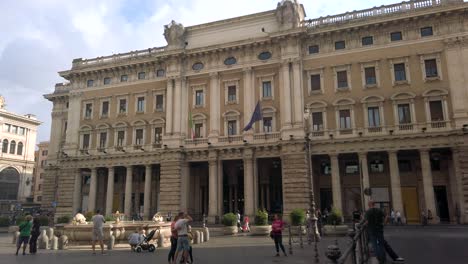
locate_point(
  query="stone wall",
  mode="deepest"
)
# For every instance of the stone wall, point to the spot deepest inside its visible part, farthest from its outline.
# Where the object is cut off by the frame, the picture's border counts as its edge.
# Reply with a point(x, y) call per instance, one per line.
point(170, 184)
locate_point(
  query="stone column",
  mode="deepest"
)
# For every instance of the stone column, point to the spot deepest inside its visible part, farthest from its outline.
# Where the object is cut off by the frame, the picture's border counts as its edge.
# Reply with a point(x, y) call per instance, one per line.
point(215, 107)
point(249, 96)
point(457, 183)
point(298, 94)
point(92, 191)
point(128, 192)
point(73, 120)
point(427, 183)
point(248, 183)
point(177, 106)
point(212, 189)
point(365, 177)
point(220, 188)
point(169, 106)
point(397, 201)
point(286, 96)
point(184, 186)
point(336, 182)
point(147, 195)
point(110, 190)
point(77, 192)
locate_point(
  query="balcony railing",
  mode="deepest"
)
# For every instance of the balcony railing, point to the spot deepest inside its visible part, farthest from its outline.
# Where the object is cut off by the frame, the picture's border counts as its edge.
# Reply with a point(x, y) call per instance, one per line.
point(267, 136)
point(196, 141)
point(229, 139)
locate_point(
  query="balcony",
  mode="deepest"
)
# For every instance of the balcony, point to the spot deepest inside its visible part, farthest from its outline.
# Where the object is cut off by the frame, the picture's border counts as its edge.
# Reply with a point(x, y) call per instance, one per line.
point(196, 141)
point(229, 139)
point(273, 136)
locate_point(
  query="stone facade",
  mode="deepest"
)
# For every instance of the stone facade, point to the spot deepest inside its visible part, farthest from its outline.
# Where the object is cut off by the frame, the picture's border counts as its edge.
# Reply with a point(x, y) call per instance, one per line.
point(383, 87)
point(40, 157)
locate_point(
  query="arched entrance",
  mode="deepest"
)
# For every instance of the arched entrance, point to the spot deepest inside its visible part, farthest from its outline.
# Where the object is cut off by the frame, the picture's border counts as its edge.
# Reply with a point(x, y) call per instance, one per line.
point(9, 183)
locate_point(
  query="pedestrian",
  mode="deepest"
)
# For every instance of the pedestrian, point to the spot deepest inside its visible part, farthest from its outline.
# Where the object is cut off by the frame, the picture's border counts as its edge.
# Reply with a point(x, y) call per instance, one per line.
point(170, 257)
point(375, 225)
point(392, 217)
point(98, 233)
point(423, 218)
point(238, 219)
point(25, 232)
point(134, 239)
point(182, 236)
point(398, 218)
point(246, 225)
point(319, 221)
point(277, 233)
point(190, 238)
point(35, 232)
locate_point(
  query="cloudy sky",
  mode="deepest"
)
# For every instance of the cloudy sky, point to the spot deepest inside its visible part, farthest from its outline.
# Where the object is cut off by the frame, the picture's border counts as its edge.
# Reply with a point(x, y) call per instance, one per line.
point(41, 37)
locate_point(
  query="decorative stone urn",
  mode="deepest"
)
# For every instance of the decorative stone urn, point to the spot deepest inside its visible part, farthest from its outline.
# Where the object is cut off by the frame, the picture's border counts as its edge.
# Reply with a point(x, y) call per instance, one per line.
point(335, 230)
point(230, 230)
point(260, 230)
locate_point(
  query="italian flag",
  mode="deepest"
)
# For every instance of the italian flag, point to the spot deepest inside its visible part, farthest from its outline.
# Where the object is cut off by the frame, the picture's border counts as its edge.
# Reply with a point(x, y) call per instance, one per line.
point(192, 127)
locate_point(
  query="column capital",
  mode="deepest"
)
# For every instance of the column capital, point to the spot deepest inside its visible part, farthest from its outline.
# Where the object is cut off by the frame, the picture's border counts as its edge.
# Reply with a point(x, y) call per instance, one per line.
point(248, 154)
point(333, 155)
point(247, 69)
point(213, 155)
point(148, 166)
point(424, 151)
point(111, 168)
point(392, 151)
point(214, 75)
point(363, 154)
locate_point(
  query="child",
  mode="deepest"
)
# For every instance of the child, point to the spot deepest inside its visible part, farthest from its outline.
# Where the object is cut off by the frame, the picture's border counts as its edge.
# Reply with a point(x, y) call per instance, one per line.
point(134, 239)
point(246, 227)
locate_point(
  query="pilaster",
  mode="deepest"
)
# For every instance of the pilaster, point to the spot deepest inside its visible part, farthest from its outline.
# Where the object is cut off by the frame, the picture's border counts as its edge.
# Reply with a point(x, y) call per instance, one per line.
point(147, 194)
point(428, 185)
point(128, 191)
point(249, 205)
point(397, 200)
point(92, 191)
point(365, 177)
point(77, 191)
point(215, 107)
point(212, 186)
point(336, 182)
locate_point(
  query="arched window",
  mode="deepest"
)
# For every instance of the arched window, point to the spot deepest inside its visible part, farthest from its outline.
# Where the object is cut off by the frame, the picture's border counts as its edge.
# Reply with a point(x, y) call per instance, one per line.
point(9, 182)
point(5, 146)
point(12, 147)
point(20, 149)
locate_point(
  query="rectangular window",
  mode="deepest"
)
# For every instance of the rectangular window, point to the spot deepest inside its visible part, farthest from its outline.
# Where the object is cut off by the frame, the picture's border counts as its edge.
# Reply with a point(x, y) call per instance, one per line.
point(7, 128)
point(160, 73)
point(120, 138)
point(404, 165)
point(86, 138)
point(141, 104)
point(351, 168)
point(157, 134)
point(366, 41)
point(314, 49)
point(340, 45)
point(377, 166)
point(90, 83)
point(198, 130)
point(199, 97)
point(102, 139)
point(107, 80)
point(371, 78)
point(373, 115)
point(39, 187)
point(14, 130)
point(266, 89)
point(122, 106)
point(317, 121)
point(404, 114)
point(396, 36)
point(431, 68)
point(232, 128)
point(105, 109)
point(141, 75)
point(88, 110)
point(232, 93)
point(21, 131)
point(41, 176)
point(437, 113)
point(123, 78)
point(426, 31)
point(342, 78)
point(139, 137)
point(345, 119)
point(267, 124)
point(315, 84)
point(400, 72)
point(159, 102)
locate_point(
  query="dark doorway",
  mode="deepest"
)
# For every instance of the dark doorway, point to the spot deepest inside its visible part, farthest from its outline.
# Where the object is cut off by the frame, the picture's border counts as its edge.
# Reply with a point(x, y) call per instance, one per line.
point(326, 199)
point(270, 185)
point(233, 186)
point(440, 193)
point(198, 190)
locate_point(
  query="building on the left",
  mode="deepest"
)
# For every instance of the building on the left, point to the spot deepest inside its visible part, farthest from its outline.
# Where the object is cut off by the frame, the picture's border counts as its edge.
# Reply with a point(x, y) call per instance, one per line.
point(18, 142)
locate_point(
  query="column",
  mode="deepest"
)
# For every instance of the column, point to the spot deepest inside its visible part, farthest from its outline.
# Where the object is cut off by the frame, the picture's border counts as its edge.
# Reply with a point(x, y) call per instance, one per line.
point(397, 201)
point(248, 184)
point(365, 178)
point(212, 189)
point(427, 183)
point(249, 95)
point(298, 97)
point(147, 195)
point(286, 96)
point(220, 188)
point(110, 191)
point(77, 192)
point(336, 183)
point(457, 184)
point(215, 108)
point(73, 120)
point(169, 108)
point(92, 191)
point(185, 187)
point(128, 192)
point(184, 103)
point(177, 106)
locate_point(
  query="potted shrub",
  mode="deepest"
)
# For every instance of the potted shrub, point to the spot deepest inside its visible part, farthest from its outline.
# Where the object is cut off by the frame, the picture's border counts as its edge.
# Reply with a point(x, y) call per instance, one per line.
point(297, 218)
point(64, 219)
point(230, 224)
point(261, 227)
point(334, 224)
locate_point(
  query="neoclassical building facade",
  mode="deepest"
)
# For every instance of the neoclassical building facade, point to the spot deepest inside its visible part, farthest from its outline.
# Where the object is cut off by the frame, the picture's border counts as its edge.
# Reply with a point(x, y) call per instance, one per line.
point(367, 99)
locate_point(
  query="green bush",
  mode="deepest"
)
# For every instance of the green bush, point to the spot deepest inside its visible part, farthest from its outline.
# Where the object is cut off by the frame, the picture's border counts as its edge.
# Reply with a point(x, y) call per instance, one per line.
point(229, 219)
point(109, 218)
point(43, 220)
point(20, 219)
point(64, 219)
point(4, 221)
point(261, 218)
point(297, 217)
point(335, 217)
point(89, 216)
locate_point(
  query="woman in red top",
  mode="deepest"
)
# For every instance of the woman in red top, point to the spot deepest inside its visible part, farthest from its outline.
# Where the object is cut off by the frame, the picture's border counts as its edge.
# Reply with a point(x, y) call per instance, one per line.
point(172, 252)
point(277, 227)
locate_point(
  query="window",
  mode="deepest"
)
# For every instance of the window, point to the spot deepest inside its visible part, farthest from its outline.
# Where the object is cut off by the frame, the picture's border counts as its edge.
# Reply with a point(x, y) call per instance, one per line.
point(105, 109)
point(160, 73)
point(431, 68)
point(41, 176)
point(377, 166)
point(102, 139)
point(404, 114)
point(267, 124)
point(232, 128)
point(437, 113)
point(396, 36)
point(345, 119)
point(7, 128)
point(12, 147)
point(325, 168)
point(44, 153)
point(426, 31)
point(122, 106)
point(157, 134)
point(230, 61)
point(198, 66)
point(340, 45)
point(159, 102)
point(123, 78)
point(266, 55)
point(120, 138)
point(199, 97)
point(404, 165)
point(266, 89)
point(198, 130)
point(20, 149)
point(43, 163)
point(88, 110)
point(86, 138)
point(232, 93)
point(90, 83)
point(371, 78)
point(14, 130)
point(366, 41)
point(400, 72)
point(139, 137)
point(5, 146)
point(317, 121)
point(141, 75)
point(435, 164)
point(107, 80)
point(314, 49)
point(315, 82)
point(39, 187)
point(141, 104)
point(21, 131)
point(351, 168)
point(373, 115)
point(342, 78)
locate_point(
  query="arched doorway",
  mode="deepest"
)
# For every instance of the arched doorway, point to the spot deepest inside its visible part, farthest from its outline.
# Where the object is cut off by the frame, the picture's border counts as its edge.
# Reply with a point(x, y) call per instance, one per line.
point(9, 183)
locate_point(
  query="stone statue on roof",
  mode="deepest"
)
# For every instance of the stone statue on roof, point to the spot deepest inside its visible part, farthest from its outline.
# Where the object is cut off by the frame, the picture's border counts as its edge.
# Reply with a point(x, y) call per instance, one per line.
point(289, 14)
point(2, 102)
point(175, 35)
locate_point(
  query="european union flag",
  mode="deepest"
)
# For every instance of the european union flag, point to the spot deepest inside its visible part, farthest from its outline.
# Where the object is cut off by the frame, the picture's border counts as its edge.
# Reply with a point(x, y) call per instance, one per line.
point(256, 116)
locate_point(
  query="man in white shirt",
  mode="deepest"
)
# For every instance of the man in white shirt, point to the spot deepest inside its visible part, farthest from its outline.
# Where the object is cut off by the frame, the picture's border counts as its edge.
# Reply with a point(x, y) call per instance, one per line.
point(182, 233)
point(98, 233)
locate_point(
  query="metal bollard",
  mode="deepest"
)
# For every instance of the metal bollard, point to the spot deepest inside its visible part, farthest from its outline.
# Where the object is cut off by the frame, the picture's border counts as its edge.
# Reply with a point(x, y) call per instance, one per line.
point(290, 241)
point(300, 237)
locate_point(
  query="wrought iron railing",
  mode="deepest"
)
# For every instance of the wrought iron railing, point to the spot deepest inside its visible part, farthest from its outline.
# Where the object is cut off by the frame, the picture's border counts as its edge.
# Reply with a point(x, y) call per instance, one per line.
point(356, 252)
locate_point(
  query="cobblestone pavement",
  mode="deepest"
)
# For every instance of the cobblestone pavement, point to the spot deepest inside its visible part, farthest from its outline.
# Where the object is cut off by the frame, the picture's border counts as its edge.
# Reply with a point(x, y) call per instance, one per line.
point(429, 245)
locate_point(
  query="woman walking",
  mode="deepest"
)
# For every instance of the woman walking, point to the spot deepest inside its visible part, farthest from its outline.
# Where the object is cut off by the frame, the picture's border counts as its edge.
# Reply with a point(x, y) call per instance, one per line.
point(35, 232)
point(170, 257)
point(25, 232)
point(277, 232)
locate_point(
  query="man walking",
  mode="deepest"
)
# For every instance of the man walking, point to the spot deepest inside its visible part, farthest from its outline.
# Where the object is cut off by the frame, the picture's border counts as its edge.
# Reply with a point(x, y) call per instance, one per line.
point(98, 233)
point(182, 233)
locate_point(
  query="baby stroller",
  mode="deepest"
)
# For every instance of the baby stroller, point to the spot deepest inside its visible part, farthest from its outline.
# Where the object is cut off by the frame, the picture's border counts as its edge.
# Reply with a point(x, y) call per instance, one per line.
point(145, 244)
